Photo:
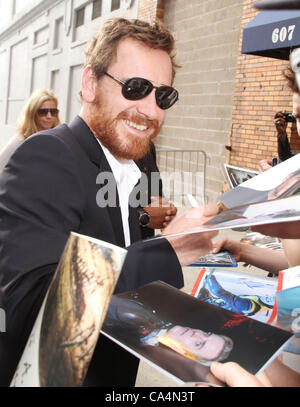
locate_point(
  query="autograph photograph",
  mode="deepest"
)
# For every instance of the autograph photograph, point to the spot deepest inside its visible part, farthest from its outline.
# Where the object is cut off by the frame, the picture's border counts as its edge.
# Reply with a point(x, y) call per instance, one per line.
point(181, 335)
point(236, 175)
point(221, 259)
point(245, 294)
point(277, 182)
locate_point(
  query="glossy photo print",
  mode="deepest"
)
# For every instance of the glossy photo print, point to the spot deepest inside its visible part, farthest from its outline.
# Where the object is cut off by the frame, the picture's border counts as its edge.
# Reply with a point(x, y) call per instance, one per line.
point(61, 344)
point(181, 335)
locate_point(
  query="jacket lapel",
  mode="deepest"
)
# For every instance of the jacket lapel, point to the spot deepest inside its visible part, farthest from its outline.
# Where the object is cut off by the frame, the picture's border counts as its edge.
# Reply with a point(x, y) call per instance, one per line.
point(114, 210)
point(134, 226)
point(92, 148)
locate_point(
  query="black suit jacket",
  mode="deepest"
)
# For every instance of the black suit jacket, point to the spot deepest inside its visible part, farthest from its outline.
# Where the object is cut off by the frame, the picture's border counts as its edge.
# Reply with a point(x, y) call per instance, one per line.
point(48, 189)
point(148, 166)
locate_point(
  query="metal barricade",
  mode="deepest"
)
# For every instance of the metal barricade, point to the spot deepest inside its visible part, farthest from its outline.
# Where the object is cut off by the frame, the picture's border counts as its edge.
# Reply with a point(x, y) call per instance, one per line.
point(183, 172)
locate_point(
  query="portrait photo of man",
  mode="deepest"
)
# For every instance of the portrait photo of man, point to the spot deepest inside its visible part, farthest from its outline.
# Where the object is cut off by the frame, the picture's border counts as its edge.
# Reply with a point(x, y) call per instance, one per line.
point(183, 335)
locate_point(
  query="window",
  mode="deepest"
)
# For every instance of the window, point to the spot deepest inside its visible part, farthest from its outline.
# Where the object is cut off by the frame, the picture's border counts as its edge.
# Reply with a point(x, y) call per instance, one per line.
point(97, 9)
point(17, 85)
point(18, 5)
point(5, 12)
point(115, 4)
point(73, 105)
point(39, 72)
point(79, 31)
point(41, 36)
point(3, 84)
point(58, 33)
point(79, 17)
point(54, 84)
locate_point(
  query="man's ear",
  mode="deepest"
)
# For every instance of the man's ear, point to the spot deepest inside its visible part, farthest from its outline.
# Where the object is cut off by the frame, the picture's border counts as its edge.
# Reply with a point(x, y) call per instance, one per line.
point(88, 84)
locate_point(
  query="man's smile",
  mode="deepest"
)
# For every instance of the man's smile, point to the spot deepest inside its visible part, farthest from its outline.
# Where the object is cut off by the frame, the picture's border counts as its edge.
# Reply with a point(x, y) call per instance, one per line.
point(136, 126)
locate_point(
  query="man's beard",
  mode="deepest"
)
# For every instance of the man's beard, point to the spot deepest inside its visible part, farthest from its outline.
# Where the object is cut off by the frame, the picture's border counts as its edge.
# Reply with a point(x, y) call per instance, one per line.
point(122, 146)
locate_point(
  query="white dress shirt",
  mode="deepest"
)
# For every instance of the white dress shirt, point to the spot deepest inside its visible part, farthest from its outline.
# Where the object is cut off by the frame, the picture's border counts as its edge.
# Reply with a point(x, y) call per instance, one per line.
point(126, 174)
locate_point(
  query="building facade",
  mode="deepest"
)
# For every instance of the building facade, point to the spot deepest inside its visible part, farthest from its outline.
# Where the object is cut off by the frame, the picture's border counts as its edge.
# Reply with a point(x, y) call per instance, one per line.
point(207, 33)
point(42, 44)
point(260, 91)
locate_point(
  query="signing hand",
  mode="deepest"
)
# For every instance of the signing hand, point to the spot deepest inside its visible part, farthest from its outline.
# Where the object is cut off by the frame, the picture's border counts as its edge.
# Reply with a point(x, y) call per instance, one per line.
point(190, 247)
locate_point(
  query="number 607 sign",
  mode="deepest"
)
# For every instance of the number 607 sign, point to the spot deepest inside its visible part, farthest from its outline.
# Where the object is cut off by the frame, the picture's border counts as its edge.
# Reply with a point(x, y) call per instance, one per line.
point(283, 33)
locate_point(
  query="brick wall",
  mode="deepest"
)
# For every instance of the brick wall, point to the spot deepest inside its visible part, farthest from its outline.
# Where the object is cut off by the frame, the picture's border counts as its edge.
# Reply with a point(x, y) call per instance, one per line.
point(148, 9)
point(207, 34)
point(226, 98)
point(260, 92)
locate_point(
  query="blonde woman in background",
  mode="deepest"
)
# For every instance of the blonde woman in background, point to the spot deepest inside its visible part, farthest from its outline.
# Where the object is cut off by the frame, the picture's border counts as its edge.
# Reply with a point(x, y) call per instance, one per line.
point(39, 113)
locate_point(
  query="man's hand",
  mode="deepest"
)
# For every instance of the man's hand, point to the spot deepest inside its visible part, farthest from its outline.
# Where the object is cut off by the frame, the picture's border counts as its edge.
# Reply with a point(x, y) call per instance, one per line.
point(190, 247)
point(161, 212)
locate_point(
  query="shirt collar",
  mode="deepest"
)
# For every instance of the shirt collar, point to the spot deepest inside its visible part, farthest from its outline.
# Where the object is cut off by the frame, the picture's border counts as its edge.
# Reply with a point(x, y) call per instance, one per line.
point(121, 170)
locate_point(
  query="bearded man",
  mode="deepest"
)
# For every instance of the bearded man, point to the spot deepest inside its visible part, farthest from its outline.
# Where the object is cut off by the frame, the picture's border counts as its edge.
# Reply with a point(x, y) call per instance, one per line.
point(54, 183)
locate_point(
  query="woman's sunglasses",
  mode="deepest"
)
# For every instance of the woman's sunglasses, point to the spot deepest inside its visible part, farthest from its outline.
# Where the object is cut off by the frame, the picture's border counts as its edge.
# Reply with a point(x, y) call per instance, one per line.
point(139, 88)
point(44, 112)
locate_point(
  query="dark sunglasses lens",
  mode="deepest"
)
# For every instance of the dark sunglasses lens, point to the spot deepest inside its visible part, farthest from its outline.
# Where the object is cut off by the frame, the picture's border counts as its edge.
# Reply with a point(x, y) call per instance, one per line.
point(44, 112)
point(166, 96)
point(136, 88)
point(139, 88)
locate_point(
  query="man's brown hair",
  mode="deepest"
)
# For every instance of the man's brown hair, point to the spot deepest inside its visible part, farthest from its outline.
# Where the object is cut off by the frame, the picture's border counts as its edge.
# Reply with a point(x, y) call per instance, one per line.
point(101, 49)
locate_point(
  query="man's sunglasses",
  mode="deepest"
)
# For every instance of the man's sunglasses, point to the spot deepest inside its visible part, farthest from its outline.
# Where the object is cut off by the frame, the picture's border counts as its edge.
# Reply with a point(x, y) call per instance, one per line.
point(44, 112)
point(139, 88)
